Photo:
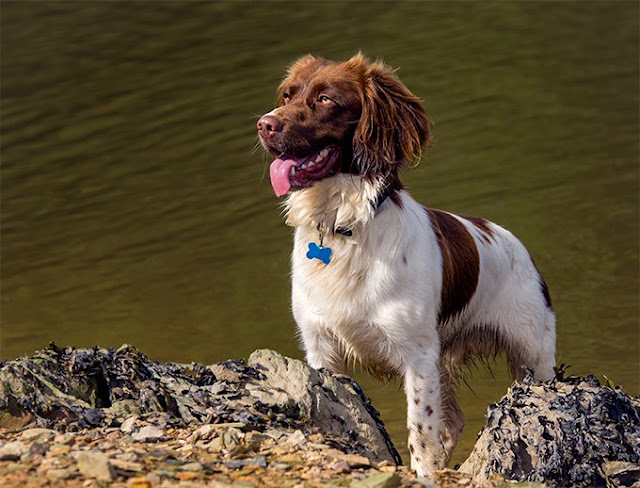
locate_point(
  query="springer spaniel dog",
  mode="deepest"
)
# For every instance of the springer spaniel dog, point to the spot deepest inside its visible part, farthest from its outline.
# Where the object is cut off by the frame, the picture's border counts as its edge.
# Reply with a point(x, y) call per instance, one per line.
point(378, 278)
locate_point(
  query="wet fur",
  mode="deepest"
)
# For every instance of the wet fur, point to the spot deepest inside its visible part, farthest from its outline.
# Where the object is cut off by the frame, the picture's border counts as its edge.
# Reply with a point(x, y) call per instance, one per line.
point(413, 292)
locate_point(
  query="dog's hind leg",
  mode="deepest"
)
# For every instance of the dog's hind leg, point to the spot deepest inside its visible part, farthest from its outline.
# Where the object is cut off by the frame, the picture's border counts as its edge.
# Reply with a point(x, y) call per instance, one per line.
point(453, 419)
point(424, 412)
point(533, 346)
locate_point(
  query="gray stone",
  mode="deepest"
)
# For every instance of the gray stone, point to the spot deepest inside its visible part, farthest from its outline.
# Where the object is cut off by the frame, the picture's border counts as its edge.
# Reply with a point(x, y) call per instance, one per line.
point(95, 465)
point(382, 480)
point(12, 451)
point(38, 434)
point(60, 473)
point(272, 394)
point(148, 433)
point(195, 466)
point(241, 463)
point(563, 433)
point(335, 403)
point(128, 425)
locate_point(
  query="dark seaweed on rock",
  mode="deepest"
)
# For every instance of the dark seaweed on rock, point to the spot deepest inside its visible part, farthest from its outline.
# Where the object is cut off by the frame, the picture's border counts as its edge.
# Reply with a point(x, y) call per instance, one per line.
point(71, 389)
point(567, 432)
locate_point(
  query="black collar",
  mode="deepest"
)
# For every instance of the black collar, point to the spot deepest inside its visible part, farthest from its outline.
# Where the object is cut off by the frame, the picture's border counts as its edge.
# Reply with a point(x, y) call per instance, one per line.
point(376, 204)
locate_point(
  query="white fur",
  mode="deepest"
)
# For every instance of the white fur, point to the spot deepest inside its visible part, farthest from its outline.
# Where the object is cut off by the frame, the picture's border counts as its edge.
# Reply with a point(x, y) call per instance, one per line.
point(378, 300)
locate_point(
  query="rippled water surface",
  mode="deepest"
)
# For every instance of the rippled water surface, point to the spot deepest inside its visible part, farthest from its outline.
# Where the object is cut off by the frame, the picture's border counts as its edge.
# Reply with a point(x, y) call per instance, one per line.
point(134, 209)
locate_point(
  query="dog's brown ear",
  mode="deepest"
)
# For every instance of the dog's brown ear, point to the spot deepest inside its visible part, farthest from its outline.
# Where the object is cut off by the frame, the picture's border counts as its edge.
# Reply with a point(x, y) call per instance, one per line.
point(393, 127)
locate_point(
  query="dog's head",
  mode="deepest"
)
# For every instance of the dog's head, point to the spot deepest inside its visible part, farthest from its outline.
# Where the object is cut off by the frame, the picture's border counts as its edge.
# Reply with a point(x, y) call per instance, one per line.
point(353, 117)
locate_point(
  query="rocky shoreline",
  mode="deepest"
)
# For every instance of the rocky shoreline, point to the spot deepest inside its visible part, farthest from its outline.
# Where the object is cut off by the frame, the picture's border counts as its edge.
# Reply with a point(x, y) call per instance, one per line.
point(107, 417)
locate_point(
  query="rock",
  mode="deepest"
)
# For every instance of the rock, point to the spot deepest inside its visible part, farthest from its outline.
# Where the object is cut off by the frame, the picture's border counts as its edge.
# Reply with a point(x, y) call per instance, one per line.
point(38, 449)
point(231, 438)
point(128, 425)
point(138, 482)
point(335, 403)
point(622, 474)
point(340, 466)
point(125, 465)
point(148, 433)
point(95, 465)
point(260, 461)
point(297, 439)
point(356, 461)
point(564, 433)
point(382, 480)
point(60, 473)
point(38, 434)
point(12, 451)
point(91, 388)
point(195, 466)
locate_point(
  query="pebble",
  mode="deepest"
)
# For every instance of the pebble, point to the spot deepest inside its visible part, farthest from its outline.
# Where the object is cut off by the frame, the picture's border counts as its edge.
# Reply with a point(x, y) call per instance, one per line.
point(231, 438)
point(128, 425)
point(356, 461)
point(138, 482)
point(60, 473)
point(260, 461)
point(95, 465)
point(382, 480)
point(38, 434)
point(12, 451)
point(297, 439)
point(148, 433)
point(126, 465)
point(340, 466)
point(38, 449)
point(191, 467)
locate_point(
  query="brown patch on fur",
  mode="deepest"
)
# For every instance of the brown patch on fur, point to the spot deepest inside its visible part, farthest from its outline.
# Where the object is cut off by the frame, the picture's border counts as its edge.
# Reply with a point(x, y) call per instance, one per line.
point(416, 401)
point(460, 263)
point(411, 448)
point(429, 410)
point(486, 232)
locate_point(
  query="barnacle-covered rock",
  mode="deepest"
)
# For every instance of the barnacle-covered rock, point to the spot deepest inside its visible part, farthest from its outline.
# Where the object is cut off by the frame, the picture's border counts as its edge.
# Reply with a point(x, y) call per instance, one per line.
point(567, 432)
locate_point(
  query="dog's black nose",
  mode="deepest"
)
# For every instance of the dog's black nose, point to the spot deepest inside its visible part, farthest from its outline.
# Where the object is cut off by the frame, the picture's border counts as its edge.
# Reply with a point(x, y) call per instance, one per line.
point(268, 125)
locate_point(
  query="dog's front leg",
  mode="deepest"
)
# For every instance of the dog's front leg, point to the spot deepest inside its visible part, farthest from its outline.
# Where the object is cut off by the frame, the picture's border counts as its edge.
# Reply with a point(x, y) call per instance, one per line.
point(322, 349)
point(424, 412)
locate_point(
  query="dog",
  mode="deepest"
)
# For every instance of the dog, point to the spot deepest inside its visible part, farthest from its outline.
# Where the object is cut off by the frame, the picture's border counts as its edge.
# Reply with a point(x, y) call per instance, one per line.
point(376, 277)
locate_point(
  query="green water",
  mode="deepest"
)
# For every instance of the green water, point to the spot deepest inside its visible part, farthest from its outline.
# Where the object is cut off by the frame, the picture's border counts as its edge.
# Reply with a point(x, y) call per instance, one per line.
point(135, 210)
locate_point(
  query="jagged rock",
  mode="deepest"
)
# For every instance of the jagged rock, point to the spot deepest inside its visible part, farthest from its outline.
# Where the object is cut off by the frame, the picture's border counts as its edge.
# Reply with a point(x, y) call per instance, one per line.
point(71, 389)
point(567, 432)
point(277, 417)
point(335, 402)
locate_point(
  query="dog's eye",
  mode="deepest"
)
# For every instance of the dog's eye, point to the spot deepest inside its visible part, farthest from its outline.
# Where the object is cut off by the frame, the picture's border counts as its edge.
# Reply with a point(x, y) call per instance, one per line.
point(324, 99)
point(285, 97)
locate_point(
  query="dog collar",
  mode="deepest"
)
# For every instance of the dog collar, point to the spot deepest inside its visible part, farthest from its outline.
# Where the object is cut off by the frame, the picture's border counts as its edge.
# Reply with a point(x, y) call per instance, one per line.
point(324, 253)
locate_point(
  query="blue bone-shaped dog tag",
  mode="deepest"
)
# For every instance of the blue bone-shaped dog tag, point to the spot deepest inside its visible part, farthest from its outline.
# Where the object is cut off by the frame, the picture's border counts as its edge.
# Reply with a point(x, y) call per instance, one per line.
point(321, 253)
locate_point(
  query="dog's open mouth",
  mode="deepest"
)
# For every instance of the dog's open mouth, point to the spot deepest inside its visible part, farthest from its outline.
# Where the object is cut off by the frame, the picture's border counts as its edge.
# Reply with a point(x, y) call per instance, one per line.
point(288, 172)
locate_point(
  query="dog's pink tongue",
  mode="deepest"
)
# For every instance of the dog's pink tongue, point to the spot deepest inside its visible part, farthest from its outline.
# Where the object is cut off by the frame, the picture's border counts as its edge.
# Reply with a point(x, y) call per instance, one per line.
point(279, 173)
